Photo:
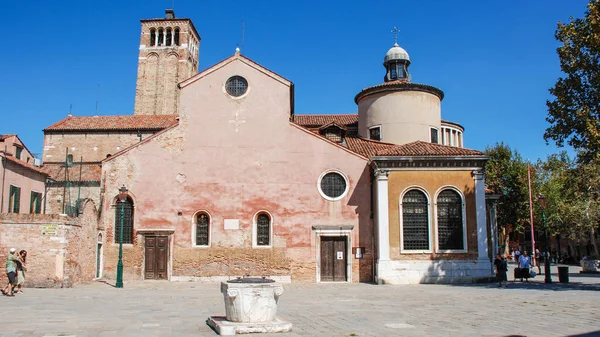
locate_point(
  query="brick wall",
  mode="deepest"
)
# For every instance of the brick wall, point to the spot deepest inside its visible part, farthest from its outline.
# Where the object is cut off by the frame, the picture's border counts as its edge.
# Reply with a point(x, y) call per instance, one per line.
point(93, 146)
point(60, 250)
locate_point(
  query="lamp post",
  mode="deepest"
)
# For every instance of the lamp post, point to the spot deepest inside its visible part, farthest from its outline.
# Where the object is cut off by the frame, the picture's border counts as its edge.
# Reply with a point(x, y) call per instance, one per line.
point(547, 276)
point(122, 200)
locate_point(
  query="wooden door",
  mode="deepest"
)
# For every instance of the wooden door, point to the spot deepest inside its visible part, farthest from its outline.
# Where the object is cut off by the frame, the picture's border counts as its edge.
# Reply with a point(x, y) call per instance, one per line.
point(156, 256)
point(333, 259)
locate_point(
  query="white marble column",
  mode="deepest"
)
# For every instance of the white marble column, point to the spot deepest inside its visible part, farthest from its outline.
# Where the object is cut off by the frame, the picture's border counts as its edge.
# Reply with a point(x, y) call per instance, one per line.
point(383, 225)
point(156, 38)
point(482, 240)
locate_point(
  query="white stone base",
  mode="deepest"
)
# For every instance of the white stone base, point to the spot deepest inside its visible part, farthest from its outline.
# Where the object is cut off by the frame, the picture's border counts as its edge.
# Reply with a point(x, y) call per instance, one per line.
point(427, 271)
point(226, 328)
point(214, 279)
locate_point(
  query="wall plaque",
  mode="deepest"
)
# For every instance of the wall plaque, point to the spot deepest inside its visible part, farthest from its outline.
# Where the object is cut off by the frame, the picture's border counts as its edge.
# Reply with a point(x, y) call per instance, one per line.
point(231, 224)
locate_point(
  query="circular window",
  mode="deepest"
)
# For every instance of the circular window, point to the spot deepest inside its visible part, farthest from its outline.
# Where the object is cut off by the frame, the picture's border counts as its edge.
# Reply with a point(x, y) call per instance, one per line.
point(333, 186)
point(236, 86)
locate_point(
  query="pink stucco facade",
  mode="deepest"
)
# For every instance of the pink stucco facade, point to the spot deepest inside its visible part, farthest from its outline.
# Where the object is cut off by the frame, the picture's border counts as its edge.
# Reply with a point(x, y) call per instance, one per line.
point(20, 173)
point(234, 158)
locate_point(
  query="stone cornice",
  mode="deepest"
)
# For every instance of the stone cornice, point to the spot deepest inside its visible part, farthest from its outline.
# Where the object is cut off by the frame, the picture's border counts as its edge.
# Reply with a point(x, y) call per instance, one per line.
point(398, 86)
point(428, 163)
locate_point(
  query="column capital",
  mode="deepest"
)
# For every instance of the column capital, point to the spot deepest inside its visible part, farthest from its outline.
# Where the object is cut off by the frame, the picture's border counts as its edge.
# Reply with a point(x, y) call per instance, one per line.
point(478, 174)
point(381, 174)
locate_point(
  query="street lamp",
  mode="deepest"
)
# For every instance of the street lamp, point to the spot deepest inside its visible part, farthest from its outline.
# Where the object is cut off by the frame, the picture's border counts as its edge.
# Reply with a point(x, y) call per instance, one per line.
point(122, 200)
point(547, 276)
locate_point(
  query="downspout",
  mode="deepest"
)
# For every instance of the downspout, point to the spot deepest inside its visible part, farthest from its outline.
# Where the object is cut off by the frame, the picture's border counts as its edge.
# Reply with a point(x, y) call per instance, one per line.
point(371, 217)
point(3, 176)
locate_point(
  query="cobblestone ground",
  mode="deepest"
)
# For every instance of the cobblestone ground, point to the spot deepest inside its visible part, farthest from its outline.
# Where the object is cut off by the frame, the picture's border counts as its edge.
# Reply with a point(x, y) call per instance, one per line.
point(181, 309)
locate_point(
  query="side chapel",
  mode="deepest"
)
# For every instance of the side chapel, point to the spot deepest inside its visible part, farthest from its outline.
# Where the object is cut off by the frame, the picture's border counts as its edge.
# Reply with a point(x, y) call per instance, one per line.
point(224, 179)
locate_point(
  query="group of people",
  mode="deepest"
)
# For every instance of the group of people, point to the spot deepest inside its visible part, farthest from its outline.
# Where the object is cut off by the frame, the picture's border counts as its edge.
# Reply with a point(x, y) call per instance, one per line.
point(522, 271)
point(15, 271)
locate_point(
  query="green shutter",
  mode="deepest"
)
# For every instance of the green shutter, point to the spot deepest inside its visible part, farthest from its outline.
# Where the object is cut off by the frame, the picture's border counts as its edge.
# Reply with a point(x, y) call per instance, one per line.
point(17, 199)
point(32, 203)
point(38, 203)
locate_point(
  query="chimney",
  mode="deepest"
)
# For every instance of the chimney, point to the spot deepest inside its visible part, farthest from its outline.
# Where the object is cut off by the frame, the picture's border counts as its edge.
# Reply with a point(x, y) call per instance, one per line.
point(170, 13)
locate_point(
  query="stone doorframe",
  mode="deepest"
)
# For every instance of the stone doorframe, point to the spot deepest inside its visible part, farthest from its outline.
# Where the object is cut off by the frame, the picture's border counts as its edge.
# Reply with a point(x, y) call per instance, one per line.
point(168, 232)
point(338, 231)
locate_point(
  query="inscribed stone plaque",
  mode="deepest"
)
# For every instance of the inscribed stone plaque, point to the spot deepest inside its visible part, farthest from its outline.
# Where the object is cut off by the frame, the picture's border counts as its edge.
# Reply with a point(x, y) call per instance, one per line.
point(232, 224)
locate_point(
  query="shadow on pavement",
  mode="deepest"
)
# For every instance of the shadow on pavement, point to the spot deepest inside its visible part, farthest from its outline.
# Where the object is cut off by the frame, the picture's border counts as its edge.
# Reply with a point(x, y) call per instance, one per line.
point(588, 334)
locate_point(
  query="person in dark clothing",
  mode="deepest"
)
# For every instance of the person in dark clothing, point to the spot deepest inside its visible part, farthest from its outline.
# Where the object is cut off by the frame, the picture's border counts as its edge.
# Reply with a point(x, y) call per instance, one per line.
point(501, 269)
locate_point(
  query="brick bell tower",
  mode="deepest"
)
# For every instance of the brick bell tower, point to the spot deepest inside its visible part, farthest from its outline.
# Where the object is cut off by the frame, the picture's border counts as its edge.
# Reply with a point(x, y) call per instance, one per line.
point(169, 50)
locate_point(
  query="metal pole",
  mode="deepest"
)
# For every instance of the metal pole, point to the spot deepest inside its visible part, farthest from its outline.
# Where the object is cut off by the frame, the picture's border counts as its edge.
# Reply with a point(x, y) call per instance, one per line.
point(531, 215)
point(119, 283)
point(547, 276)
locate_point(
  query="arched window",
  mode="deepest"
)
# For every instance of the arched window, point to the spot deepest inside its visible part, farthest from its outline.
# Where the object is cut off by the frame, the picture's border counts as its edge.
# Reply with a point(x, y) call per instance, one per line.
point(450, 221)
point(202, 229)
point(152, 37)
point(168, 43)
point(415, 221)
point(263, 230)
point(176, 36)
point(161, 36)
point(125, 209)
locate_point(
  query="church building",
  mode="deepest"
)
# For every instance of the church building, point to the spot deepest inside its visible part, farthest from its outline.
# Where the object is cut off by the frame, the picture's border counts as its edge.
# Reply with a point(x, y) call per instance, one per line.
point(224, 179)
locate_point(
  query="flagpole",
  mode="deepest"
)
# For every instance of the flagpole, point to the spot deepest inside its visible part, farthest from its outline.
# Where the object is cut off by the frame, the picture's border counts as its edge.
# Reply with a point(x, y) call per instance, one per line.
point(531, 216)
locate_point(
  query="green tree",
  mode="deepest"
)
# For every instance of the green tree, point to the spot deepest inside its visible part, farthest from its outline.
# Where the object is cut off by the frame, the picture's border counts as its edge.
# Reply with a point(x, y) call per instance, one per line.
point(506, 175)
point(571, 191)
point(574, 113)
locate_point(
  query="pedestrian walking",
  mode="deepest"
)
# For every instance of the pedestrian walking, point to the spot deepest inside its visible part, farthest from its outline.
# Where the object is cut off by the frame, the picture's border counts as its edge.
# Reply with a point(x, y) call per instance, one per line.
point(501, 269)
point(524, 265)
point(21, 268)
point(11, 272)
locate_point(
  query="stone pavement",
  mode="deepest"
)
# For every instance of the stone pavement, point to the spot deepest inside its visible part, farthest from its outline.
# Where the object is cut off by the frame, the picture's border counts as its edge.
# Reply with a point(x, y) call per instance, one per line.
point(155, 308)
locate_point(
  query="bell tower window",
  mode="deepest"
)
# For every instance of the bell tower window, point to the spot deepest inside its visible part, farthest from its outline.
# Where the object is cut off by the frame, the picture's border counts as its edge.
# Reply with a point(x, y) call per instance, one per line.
point(161, 36)
point(152, 37)
point(168, 37)
point(176, 36)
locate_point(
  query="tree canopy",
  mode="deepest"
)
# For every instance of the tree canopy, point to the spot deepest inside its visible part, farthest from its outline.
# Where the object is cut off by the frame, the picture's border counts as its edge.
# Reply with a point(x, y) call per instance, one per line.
point(574, 112)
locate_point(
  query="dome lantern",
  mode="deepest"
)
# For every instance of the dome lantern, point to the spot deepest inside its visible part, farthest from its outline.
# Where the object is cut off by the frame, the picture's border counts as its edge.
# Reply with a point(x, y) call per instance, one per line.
point(396, 62)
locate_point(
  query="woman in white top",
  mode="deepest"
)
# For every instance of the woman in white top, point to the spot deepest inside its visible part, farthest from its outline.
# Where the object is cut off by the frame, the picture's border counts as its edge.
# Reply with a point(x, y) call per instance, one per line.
point(524, 265)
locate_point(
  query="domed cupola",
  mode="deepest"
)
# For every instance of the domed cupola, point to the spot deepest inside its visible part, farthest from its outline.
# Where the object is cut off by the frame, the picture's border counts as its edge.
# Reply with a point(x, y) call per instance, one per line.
point(396, 64)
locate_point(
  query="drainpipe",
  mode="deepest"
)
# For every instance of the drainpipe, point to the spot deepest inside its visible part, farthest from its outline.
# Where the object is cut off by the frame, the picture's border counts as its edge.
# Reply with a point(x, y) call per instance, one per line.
point(3, 176)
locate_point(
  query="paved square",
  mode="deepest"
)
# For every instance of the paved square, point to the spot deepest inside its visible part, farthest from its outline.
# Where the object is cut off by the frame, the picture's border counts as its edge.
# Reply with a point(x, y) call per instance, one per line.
point(181, 309)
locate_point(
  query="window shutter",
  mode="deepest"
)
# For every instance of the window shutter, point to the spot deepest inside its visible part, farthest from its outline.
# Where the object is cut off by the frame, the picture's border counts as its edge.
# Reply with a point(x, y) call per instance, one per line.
point(17, 200)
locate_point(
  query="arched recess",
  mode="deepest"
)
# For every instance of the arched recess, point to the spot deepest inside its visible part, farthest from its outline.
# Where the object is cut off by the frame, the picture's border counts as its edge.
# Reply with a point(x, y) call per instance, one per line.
point(450, 220)
point(262, 229)
point(124, 214)
point(415, 220)
point(201, 229)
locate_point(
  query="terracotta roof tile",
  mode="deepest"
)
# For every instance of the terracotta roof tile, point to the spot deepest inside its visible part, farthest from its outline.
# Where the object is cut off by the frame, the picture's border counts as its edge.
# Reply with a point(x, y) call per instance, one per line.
point(101, 123)
point(320, 120)
point(3, 137)
point(23, 163)
point(89, 172)
point(420, 148)
point(366, 147)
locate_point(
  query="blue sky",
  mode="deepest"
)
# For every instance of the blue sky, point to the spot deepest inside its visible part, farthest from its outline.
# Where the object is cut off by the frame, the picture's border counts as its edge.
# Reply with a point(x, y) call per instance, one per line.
point(494, 60)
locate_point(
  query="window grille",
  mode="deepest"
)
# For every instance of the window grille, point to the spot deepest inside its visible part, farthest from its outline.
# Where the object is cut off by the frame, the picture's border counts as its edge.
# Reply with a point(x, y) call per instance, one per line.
point(415, 221)
point(333, 185)
point(450, 220)
point(202, 230)
point(236, 86)
point(334, 134)
point(127, 206)
point(263, 222)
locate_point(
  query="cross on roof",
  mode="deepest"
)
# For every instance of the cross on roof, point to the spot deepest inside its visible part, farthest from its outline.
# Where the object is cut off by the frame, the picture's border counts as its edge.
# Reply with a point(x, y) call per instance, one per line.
point(395, 31)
